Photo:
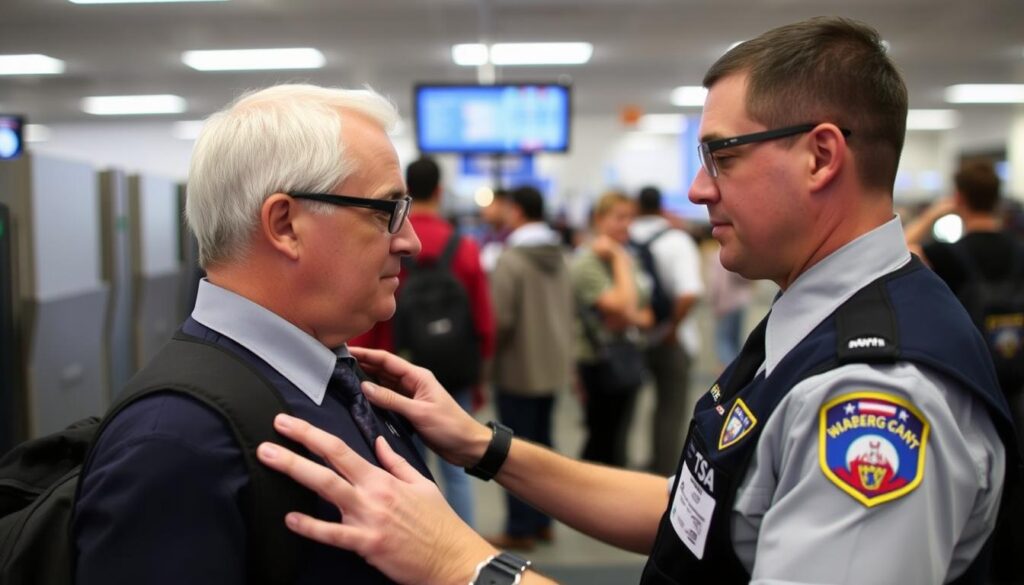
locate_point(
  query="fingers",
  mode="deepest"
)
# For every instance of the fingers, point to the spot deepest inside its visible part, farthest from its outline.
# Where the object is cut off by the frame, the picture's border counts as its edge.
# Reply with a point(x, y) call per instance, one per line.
point(332, 449)
point(389, 366)
point(381, 360)
point(329, 533)
point(325, 482)
point(395, 463)
point(388, 399)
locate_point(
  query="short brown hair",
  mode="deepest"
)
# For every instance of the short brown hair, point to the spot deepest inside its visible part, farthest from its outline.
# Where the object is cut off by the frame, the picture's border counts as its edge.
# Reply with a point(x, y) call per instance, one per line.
point(978, 183)
point(826, 69)
point(606, 202)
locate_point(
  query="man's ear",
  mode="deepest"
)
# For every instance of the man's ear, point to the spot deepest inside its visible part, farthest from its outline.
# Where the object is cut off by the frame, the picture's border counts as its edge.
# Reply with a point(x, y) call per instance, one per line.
point(828, 155)
point(277, 224)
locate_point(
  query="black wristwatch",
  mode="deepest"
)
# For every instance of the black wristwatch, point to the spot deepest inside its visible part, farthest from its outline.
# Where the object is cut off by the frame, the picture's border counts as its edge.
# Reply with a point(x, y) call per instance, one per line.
point(496, 453)
point(501, 569)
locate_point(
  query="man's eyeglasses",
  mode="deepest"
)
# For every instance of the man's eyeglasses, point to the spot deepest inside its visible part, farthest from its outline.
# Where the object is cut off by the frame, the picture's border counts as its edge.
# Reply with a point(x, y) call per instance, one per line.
point(397, 209)
point(707, 149)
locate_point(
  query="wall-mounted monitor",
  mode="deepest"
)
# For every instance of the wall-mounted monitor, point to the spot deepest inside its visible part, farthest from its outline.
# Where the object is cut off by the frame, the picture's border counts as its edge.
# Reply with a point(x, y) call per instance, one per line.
point(11, 136)
point(492, 119)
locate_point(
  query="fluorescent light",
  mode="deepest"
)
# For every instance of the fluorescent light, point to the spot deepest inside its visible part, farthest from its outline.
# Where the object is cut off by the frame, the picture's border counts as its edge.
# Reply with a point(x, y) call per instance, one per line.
point(114, 105)
point(37, 133)
point(187, 129)
point(34, 64)
point(689, 96)
point(476, 54)
point(483, 197)
point(985, 93)
point(470, 54)
point(252, 59)
point(948, 228)
point(662, 123)
point(541, 53)
point(136, 1)
point(932, 119)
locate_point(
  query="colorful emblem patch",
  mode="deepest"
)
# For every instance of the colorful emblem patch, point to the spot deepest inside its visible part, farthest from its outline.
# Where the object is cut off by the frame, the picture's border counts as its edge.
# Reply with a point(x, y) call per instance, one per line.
point(737, 424)
point(872, 446)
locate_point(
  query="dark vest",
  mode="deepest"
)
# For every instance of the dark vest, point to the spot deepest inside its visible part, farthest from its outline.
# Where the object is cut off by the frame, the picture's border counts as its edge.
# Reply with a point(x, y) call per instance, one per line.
point(892, 319)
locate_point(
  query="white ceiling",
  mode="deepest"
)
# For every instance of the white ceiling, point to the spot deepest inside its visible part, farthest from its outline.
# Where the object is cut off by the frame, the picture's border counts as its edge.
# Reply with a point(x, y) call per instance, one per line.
point(642, 48)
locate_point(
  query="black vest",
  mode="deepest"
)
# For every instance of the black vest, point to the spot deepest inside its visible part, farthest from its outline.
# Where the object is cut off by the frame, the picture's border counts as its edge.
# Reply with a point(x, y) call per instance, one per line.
point(892, 319)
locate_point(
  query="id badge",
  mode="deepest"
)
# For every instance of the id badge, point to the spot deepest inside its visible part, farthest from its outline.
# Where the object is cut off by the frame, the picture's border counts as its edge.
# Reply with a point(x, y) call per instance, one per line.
point(693, 503)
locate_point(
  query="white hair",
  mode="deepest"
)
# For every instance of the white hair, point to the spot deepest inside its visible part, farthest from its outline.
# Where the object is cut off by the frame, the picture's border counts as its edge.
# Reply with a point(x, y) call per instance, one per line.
point(279, 139)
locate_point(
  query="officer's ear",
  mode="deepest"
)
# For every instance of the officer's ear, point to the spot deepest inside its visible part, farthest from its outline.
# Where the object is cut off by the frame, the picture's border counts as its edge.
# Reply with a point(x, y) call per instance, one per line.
point(828, 152)
point(278, 216)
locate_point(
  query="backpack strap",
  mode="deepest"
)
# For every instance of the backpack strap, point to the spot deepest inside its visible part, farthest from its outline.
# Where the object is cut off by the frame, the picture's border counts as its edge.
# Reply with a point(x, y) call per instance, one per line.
point(658, 234)
point(445, 259)
point(410, 263)
point(248, 402)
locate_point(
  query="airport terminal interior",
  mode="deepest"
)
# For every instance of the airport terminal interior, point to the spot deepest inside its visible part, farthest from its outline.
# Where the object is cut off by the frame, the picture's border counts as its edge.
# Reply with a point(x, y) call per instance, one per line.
point(101, 102)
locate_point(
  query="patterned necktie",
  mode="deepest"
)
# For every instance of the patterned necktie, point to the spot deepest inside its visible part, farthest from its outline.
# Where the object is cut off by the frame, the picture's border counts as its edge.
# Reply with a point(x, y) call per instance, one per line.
point(345, 383)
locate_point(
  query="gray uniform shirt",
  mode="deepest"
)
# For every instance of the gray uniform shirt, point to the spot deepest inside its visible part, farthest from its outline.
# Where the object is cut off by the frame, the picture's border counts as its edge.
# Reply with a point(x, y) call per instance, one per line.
point(792, 524)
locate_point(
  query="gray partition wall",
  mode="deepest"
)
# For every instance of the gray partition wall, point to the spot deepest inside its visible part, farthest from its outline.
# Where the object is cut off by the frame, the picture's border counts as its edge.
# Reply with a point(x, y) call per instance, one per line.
point(10, 420)
point(117, 272)
point(60, 300)
point(190, 270)
point(154, 224)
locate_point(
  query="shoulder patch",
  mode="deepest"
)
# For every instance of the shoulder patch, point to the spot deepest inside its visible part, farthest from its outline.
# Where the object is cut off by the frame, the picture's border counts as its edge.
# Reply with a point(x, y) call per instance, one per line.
point(872, 445)
point(739, 422)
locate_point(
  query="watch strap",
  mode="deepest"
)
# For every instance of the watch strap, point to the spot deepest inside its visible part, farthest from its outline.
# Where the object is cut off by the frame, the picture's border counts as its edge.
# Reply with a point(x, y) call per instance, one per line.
point(496, 453)
point(501, 569)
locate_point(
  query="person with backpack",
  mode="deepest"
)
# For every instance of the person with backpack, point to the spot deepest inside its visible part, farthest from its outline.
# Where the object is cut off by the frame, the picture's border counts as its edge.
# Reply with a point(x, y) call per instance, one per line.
point(670, 259)
point(533, 355)
point(444, 320)
point(296, 197)
point(985, 270)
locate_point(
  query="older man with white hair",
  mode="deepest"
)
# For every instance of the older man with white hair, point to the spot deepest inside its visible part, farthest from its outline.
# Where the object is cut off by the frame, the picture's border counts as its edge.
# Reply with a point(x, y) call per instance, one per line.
point(297, 200)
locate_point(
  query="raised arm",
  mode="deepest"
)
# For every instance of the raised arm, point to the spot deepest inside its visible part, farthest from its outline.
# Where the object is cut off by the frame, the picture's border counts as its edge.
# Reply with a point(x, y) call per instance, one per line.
point(586, 496)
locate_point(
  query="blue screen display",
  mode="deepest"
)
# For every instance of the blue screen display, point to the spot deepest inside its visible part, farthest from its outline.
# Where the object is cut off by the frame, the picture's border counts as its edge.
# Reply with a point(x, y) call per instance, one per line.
point(518, 118)
point(11, 138)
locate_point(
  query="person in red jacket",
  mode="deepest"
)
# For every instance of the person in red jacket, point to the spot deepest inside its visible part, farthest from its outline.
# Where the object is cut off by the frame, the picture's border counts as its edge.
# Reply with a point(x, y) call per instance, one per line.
point(423, 181)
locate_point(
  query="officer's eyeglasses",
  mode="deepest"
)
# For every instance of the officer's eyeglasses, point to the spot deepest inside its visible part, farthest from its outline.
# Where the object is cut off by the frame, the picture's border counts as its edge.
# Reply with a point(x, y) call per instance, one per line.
point(397, 209)
point(707, 149)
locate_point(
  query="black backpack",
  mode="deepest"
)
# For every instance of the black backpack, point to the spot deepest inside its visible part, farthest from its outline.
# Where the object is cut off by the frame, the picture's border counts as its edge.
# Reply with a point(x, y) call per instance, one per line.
point(661, 302)
point(433, 322)
point(39, 478)
point(997, 309)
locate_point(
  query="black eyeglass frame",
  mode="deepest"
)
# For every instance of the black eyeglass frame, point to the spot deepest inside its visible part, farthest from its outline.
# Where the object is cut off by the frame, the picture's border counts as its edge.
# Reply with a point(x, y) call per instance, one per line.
point(705, 150)
point(397, 209)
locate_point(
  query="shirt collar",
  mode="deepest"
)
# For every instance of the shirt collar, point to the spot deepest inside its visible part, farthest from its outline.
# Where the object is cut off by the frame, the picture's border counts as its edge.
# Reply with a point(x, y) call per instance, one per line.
point(819, 291)
point(296, 355)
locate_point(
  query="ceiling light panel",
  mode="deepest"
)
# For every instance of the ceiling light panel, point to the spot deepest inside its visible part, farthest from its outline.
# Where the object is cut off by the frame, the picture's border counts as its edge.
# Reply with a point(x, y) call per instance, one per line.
point(254, 59)
point(985, 93)
point(689, 96)
point(541, 53)
point(137, 1)
point(470, 54)
point(33, 64)
point(126, 105)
